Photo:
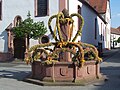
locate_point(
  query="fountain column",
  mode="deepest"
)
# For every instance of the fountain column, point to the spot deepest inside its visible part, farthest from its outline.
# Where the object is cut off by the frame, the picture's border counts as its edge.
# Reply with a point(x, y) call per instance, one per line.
point(66, 34)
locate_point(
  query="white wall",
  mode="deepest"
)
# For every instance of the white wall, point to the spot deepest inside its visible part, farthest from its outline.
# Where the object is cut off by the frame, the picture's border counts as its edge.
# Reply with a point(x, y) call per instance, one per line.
point(108, 28)
point(89, 23)
point(73, 5)
point(12, 8)
point(107, 17)
point(114, 37)
point(53, 10)
point(88, 35)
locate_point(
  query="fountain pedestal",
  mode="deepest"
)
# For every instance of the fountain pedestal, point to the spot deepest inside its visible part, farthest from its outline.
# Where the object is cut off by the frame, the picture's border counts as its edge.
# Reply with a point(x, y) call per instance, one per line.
point(70, 56)
point(65, 72)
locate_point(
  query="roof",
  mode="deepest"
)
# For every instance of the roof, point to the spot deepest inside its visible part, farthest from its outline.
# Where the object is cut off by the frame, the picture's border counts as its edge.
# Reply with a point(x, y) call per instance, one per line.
point(118, 28)
point(115, 31)
point(99, 5)
point(86, 2)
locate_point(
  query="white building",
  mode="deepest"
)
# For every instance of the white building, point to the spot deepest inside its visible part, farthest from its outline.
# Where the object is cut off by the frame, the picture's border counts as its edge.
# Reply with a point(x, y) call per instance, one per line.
point(115, 34)
point(14, 10)
point(103, 8)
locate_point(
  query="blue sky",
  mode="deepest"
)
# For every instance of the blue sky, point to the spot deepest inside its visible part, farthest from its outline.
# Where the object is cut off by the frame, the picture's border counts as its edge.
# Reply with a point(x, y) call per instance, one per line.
point(115, 13)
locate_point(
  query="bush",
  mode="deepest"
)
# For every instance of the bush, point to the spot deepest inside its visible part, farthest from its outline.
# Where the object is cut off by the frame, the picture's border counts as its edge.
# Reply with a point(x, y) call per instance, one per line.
point(31, 29)
point(118, 40)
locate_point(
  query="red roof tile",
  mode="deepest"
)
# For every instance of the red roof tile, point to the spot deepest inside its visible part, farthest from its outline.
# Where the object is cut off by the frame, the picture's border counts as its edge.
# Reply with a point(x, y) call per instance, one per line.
point(118, 28)
point(99, 5)
point(115, 31)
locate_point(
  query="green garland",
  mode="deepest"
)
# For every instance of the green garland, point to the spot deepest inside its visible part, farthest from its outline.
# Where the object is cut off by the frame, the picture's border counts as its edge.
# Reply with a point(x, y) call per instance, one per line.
point(92, 49)
point(49, 25)
point(63, 46)
point(61, 20)
point(37, 53)
point(79, 32)
point(58, 26)
point(33, 48)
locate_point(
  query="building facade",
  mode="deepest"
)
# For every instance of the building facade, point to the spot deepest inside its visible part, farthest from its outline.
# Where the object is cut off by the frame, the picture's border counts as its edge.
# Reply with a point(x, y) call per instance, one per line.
point(115, 34)
point(103, 8)
point(94, 29)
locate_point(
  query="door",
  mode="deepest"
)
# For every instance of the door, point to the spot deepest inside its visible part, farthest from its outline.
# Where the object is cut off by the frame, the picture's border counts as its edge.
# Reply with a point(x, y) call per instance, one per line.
point(19, 48)
point(100, 49)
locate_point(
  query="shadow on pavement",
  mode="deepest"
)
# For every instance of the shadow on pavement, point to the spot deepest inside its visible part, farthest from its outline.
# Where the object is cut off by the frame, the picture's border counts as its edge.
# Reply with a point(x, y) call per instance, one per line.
point(113, 79)
point(111, 68)
point(14, 74)
point(108, 54)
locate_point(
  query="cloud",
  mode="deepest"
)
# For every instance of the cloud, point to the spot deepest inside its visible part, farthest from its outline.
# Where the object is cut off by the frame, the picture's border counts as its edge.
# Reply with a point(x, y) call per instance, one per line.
point(118, 14)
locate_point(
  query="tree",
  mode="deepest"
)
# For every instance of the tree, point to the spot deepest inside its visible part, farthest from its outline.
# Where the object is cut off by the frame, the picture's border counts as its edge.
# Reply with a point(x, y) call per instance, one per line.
point(118, 40)
point(29, 28)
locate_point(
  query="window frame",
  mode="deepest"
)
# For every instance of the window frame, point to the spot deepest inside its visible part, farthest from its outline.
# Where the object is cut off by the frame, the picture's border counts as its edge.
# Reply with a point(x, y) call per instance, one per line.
point(36, 9)
point(0, 9)
point(95, 28)
point(101, 32)
point(17, 20)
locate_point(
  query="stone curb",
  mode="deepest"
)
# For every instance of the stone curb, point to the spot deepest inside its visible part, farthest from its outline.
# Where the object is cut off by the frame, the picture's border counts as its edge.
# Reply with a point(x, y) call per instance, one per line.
point(82, 83)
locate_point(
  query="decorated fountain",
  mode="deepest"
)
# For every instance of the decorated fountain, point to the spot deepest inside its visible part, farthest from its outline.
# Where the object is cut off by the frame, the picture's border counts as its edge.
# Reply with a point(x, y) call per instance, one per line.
point(64, 60)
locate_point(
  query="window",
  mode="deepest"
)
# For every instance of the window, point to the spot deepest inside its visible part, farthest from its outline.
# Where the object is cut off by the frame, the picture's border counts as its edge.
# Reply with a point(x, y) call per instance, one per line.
point(41, 8)
point(105, 34)
point(101, 32)
point(0, 9)
point(44, 39)
point(95, 28)
point(17, 20)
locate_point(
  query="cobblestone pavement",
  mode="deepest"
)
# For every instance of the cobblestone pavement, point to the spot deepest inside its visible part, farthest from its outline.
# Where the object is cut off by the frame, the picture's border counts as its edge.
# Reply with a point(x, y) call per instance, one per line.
point(12, 74)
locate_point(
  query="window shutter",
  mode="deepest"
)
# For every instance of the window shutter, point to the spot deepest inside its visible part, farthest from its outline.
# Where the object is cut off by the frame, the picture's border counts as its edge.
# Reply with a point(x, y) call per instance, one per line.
point(42, 7)
point(0, 9)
